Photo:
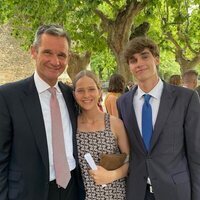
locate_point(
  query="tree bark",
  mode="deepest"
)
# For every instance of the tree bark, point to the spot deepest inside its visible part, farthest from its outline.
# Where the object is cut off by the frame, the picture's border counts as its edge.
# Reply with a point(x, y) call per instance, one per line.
point(77, 63)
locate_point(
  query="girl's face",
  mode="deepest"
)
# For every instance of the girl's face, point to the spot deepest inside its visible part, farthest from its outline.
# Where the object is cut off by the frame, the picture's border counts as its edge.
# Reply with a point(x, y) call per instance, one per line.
point(86, 93)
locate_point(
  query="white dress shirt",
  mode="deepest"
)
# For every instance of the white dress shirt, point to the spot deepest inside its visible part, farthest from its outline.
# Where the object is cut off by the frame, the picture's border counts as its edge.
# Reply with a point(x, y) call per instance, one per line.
point(138, 101)
point(44, 96)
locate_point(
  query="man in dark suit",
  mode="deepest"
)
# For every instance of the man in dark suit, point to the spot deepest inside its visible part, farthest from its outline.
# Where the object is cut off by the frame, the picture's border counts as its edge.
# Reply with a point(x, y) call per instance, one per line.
point(27, 167)
point(165, 157)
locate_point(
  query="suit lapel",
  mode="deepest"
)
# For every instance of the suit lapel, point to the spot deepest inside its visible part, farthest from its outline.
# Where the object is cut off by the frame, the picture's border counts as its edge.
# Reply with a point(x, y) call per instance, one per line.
point(132, 121)
point(33, 111)
point(166, 103)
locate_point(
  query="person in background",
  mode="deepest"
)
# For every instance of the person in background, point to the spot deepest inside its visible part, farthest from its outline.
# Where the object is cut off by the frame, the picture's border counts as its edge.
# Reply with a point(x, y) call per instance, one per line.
point(98, 133)
point(129, 86)
point(190, 79)
point(115, 89)
point(36, 164)
point(163, 124)
point(175, 80)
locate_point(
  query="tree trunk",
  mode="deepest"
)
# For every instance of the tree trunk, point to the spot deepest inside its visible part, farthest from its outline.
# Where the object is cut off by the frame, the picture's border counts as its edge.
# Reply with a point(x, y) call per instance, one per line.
point(77, 63)
point(186, 63)
point(123, 67)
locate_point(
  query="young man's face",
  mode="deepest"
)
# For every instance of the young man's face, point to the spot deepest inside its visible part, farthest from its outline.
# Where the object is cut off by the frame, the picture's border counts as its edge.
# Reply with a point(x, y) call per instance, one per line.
point(51, 57)
point(143, 66)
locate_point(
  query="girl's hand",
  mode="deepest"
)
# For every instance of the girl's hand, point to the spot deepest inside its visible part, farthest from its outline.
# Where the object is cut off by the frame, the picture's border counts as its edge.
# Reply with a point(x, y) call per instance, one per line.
point(102, 176)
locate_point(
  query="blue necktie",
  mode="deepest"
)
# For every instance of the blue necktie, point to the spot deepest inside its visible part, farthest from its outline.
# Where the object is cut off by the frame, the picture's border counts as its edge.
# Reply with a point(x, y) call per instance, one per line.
point(147, 127)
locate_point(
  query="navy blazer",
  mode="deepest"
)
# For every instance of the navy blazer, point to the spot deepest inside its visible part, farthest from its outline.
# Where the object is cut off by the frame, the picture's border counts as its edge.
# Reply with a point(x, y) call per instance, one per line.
point(173, 161)
point(24, 162)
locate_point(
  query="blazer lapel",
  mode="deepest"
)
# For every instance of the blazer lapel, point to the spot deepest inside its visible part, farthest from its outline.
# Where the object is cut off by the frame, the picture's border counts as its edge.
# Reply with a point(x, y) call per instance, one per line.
point(131, 121)
point(166, 103)
point(34, 114)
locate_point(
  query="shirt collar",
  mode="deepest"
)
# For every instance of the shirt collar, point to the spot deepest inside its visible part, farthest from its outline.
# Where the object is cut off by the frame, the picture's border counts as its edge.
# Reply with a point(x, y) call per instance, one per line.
point(42, 86)
point(155, 92)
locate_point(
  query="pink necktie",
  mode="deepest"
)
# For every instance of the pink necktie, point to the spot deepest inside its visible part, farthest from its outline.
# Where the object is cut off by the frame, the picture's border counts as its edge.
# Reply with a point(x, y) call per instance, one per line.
point(61, 166)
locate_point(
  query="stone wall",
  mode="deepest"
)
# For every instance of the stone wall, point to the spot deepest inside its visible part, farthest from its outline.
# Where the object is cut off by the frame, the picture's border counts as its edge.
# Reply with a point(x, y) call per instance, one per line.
point(15, 63)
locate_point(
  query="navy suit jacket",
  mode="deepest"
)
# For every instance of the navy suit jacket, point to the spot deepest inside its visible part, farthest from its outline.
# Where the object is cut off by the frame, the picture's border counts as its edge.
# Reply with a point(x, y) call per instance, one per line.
point(24, 163)
point(173, 161)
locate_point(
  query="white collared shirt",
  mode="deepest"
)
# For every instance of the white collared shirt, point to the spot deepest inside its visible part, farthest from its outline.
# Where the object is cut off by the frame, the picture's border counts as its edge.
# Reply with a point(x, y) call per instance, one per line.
point(44, 96)
point(138, 101)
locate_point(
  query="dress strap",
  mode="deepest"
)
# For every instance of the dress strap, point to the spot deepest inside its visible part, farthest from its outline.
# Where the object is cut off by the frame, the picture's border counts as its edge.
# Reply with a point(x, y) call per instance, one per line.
point(107, 121)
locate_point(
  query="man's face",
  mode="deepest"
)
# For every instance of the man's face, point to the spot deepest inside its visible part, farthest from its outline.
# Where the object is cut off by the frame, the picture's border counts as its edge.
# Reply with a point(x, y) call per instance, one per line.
point(51, 56)
point(190, 81)
point(143, 66)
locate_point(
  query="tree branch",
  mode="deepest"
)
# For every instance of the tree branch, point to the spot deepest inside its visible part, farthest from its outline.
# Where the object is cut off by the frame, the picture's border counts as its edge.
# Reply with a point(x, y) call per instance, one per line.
point(109, 3)
point(189, 46)
point(131, 9)
point(195, 61)
point(170, 37)
point(104, 20)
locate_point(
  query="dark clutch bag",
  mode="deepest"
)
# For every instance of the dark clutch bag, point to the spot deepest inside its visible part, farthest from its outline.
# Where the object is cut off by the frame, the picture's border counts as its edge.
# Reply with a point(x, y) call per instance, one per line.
point(112, 161)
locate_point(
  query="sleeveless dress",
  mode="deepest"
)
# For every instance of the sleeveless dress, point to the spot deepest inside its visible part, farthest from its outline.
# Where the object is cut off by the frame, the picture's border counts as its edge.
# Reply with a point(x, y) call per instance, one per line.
point(97, 143)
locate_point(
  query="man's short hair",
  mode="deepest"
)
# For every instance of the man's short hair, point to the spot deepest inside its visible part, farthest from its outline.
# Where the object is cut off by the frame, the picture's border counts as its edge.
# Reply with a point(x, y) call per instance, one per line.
point(190, 75)
point(138, 44)
point(51, 29)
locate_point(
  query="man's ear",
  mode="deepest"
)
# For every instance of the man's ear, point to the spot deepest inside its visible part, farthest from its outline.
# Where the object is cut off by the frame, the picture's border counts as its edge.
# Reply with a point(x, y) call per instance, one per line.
point(33, 52)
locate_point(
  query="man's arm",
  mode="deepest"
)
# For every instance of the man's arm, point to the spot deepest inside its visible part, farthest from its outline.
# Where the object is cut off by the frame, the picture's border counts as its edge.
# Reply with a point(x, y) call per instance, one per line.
point(5, 145)
point(192, 138)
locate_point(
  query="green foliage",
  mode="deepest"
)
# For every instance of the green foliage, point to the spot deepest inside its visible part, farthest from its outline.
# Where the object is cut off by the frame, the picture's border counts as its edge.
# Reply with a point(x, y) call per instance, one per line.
point(103, 64)
point(180, 18)
point(168, 65)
